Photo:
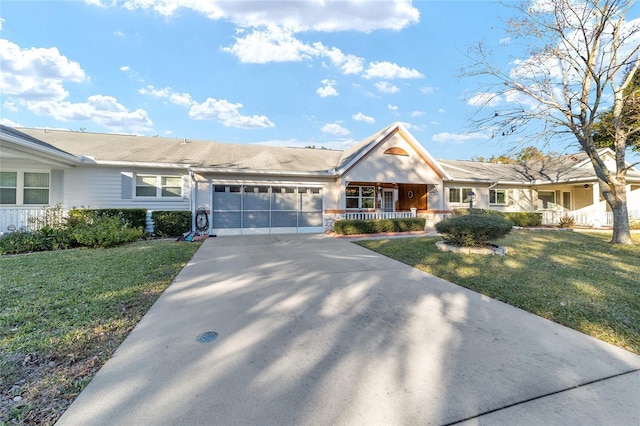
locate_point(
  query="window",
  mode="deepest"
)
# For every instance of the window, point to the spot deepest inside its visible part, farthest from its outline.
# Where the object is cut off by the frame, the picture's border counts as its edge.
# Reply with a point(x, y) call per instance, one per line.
point(19, 188)
point(547, 200)
point(8, 187)
point(158, 186)
point(498, 196)
point(361, 197)
point(458, 195)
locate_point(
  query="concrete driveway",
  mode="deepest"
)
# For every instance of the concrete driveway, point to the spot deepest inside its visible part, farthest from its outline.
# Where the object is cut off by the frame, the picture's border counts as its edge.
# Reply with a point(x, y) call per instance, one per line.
point(319, 331)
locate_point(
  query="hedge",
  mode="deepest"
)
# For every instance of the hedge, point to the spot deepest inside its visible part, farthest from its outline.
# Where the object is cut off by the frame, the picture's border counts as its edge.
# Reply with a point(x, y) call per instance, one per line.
point(523, 219)
point(374, 226)
point(474, 229)
point(171, 223)
point(135, 218)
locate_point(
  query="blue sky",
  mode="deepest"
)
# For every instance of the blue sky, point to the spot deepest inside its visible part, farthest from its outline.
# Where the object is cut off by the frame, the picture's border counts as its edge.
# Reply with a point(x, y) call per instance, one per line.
point(324, 73)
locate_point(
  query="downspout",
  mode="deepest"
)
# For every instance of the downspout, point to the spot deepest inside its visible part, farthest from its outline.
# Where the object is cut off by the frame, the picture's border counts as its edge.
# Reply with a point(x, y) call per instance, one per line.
point(192, 202)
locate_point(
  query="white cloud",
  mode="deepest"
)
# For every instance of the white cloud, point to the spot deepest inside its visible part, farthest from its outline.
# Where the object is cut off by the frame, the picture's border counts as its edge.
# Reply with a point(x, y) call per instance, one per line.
point(181, 99)
point(348, 64)
point(36, 74)
point(279, 44)
point(335, 129)
point(388, 70)
point(417, 113)
point(364, 118)
point(228, 114)
point(392, 107)
point(484, 99)
point(386, 87)
point(119, 33)
point(10, 106)
point(104, 110)
point(124, 68)
point(328, 89)
point(270, 44)
point(326, 15)
point(6, 122)
point(427, 90)
point(1, 23)
point(457, 137)
point(505, 41)
point(442, 110)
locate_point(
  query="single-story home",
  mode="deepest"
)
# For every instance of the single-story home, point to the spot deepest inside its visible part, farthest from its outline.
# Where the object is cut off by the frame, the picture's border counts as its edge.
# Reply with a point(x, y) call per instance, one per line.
point(248, 189)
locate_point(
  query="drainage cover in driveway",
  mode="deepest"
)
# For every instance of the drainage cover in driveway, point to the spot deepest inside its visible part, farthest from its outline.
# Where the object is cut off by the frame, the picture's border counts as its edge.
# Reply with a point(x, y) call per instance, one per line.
point(207, 337)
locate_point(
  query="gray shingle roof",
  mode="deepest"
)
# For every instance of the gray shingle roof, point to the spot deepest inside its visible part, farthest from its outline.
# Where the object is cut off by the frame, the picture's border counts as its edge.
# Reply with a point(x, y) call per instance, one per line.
point(202, 154)
point(195, 153)
point(549, 170)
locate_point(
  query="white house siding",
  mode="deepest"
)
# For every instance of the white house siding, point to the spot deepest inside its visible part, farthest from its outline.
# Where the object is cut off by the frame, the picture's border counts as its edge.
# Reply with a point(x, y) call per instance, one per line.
point(381, 167)
point(101, 187)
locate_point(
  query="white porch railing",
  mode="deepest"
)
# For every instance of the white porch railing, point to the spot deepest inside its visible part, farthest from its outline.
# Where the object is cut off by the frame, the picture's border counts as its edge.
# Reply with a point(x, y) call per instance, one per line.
point(595, 219)
point(17, 218)
point(378, 215)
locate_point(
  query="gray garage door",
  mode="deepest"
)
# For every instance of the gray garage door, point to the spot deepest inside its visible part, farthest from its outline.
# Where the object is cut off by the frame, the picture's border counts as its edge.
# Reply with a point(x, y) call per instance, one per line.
point(264, 209)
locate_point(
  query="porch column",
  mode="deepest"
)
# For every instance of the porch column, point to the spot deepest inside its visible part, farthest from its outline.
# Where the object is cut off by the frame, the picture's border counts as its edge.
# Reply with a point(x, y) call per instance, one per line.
point(599, 215)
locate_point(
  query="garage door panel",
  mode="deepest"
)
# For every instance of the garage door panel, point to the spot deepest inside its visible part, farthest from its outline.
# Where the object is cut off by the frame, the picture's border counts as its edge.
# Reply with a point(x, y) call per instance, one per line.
point(227, 201)
point(226, 220)
point(284, 219)
point(284, 201)
point(306, 219)
point(255, 219)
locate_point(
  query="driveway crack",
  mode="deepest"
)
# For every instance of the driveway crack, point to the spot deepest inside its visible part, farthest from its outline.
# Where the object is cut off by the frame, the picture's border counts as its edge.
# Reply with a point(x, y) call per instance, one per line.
point(541, 396)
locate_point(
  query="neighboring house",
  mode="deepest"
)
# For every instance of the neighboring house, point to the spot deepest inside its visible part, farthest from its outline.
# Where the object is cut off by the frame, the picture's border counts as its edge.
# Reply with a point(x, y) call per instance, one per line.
point(248, 189)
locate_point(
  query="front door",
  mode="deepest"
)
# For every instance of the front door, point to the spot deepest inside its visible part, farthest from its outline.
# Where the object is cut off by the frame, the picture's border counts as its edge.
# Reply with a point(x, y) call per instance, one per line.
point(387, 200)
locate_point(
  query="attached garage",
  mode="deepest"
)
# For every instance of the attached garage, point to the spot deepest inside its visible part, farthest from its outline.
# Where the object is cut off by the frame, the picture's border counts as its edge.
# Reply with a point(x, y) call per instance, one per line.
point(265, 209)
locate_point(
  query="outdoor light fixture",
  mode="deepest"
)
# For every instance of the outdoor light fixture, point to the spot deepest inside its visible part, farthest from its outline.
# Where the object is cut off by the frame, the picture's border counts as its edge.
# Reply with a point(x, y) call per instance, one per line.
point(472, 196)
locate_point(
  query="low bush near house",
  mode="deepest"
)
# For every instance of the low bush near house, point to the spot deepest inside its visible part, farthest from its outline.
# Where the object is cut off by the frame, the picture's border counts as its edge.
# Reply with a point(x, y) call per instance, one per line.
point(136, 218)
point(566, 221)
point(634, 223)
point(104, 232)
point(473, 230)
point(524, 219)
point(465, 212)
point(83, 228)
point(374, 226)
point(168, 223)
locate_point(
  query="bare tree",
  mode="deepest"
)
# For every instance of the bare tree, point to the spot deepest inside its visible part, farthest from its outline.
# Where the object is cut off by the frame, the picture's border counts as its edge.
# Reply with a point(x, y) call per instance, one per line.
point(580, 57)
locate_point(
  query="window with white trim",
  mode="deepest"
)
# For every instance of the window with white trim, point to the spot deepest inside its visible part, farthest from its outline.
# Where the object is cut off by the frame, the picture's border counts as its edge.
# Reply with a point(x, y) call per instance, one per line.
point(459, 195)
point(156, 186)
point(498, 196)
point(547, 200)
point(361, 197)
point(24, 188)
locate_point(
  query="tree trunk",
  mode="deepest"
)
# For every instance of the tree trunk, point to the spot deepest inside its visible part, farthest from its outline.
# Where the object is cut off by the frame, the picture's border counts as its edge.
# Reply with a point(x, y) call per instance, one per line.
point(618, 203)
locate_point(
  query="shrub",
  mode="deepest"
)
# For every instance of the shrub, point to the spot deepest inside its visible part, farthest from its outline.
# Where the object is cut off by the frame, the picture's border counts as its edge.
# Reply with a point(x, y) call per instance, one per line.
point(474, 229)
point(524, 219)
point(171, 223)
point(103, 232)
point(374, 226)
point(634, 223)
point(465, 212)
point(136, 218)
point(566, 221)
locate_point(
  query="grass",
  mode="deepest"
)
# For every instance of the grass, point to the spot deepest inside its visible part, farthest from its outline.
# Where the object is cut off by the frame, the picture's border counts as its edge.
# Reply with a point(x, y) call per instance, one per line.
point(575, 279)
point(63, 313)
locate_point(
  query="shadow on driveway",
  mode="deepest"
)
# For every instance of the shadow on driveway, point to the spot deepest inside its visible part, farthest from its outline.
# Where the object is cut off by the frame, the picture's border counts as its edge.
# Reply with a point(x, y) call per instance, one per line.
point(314, 330)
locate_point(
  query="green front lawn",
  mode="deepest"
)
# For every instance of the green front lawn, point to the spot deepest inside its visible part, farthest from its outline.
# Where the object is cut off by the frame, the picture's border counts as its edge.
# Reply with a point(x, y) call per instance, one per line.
point(575, 279)
point(63, 313)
